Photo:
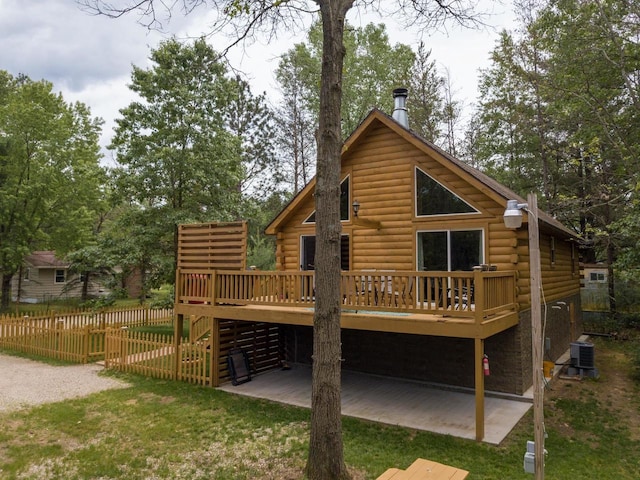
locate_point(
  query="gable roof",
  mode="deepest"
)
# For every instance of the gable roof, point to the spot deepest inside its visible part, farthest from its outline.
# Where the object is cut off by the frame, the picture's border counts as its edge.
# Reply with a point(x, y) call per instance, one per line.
point(491, 187)
point(45, 259)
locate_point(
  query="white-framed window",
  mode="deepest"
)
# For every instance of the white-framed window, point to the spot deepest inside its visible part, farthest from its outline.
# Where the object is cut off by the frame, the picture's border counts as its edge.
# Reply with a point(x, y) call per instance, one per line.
point(60, 276)
point(450, 250)
point(433, 198)
point(26, 274)
point(345, 204)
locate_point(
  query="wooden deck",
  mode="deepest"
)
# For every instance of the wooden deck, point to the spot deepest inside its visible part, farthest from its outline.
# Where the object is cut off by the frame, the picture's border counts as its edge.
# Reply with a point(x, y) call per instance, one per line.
point(396, 402)
point(473, 305)
point(456, 304)
point(395, 322)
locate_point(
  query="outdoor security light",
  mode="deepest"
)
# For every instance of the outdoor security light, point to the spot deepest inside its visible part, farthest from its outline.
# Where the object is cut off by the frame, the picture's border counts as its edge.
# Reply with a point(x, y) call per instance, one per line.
point(356, 207)
point(513, 214)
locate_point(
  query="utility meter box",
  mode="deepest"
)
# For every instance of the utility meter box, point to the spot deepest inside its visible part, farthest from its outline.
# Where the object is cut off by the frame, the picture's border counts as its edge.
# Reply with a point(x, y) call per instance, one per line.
point(530, 463)
point(530, 458)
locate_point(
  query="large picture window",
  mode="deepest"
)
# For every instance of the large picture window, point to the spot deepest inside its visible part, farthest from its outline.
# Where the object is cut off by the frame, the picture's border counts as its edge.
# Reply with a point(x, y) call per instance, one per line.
point(450, 250)
point(433, 198)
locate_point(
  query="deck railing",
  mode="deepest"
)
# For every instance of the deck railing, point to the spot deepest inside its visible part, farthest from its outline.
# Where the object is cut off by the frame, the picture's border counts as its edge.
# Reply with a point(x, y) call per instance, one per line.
point(475, 295)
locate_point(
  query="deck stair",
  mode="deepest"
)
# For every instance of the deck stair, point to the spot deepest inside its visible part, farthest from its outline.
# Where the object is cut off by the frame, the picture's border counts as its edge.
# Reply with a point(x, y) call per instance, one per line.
point(423, 469)
point(200, 328)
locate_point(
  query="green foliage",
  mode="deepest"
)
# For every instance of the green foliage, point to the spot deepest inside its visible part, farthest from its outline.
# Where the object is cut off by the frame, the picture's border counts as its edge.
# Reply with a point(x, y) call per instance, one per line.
point(372, 69)
point(296, 121)
point(559, 114)
point(50, 177)
point(100, 302)
point(251, 122)
point(164, 298)
point(425, 90)
point(261, 248)
point(188, 152)
point(166, 429)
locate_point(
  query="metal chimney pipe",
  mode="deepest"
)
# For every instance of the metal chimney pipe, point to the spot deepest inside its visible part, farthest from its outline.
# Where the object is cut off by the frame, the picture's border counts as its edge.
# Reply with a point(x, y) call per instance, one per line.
point(400, 109)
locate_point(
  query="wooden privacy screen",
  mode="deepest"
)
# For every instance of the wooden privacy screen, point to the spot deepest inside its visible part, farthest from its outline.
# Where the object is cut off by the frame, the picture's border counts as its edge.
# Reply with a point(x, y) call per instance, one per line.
point(213, 246)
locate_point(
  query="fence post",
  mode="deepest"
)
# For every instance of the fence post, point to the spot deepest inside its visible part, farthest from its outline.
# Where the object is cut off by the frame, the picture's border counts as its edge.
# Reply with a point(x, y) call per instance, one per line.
point(59, 325)
point(107, 349)
point(86, 343)
point(177, 341)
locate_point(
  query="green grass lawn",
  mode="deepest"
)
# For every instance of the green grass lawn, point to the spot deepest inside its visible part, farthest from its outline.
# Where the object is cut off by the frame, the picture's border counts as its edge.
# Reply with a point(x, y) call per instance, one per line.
point(168, 430)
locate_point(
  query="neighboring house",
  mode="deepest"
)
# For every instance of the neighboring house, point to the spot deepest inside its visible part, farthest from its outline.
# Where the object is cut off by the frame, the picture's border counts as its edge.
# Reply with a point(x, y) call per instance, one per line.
point(595, 289)
point(44, 277)
point(432, 279)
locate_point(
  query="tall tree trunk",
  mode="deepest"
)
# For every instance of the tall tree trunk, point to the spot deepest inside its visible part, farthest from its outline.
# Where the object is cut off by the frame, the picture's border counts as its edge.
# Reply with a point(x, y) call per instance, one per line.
point(326, 460)
point(84, 296)
point(6, 291)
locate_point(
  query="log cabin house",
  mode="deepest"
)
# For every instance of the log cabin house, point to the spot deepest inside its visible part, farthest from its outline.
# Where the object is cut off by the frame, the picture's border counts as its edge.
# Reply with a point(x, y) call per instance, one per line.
point(432, 279)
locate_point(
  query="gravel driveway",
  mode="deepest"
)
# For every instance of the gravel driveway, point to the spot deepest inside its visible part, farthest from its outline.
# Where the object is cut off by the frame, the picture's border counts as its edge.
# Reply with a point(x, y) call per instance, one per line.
point(24, 383)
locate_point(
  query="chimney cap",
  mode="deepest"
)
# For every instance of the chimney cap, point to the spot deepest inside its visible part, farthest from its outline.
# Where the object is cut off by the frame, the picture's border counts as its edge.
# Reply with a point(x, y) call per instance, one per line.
point(400, 92)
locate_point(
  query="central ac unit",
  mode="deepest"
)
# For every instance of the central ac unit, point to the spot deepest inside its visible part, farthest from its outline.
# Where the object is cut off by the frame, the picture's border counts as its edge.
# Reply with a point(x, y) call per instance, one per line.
point(582, 355)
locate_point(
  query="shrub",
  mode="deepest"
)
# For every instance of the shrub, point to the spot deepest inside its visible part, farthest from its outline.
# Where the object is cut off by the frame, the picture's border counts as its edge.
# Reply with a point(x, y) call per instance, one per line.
point(164, 299)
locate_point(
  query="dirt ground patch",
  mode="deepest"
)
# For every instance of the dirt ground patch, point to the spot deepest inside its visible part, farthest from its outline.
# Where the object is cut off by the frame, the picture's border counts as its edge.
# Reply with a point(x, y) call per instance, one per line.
point(615, 388)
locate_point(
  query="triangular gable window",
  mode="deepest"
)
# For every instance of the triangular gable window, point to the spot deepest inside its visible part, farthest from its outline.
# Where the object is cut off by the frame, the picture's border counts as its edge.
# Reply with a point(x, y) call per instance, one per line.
point(433, 198)
point(344, 203)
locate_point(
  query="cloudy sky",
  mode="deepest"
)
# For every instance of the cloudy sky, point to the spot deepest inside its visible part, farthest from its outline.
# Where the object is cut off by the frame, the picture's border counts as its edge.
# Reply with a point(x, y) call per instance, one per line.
point(88, 58)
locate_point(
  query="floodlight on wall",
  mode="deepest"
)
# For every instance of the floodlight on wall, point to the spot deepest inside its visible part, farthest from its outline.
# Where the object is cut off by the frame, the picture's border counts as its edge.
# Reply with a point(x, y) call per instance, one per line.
point(356, 207)
point(513, 214)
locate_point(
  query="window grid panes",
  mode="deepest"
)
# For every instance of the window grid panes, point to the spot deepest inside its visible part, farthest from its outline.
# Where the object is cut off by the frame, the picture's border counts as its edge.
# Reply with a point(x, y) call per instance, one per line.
point(450, 250)
point(60, 276)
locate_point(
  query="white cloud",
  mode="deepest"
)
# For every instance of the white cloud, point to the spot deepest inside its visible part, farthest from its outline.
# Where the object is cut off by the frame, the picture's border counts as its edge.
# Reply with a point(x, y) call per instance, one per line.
point(89, 58)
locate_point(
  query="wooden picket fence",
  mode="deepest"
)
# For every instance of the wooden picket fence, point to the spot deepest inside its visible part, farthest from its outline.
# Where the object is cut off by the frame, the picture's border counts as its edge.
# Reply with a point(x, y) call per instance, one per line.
point(77, 336)
point(157, 356)
point(83, 337)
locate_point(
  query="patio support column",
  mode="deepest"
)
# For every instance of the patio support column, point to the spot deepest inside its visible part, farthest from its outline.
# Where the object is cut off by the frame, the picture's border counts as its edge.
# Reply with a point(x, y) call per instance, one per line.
point(214, 352)
point(479, 377)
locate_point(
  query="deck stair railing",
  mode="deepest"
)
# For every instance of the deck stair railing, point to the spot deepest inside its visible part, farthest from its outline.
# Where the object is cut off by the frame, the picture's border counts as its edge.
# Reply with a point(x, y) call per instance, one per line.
point(199, 328)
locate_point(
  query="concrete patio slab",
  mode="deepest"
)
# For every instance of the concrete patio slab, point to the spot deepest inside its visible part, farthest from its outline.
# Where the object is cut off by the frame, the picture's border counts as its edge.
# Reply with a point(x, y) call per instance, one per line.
point(395, 402)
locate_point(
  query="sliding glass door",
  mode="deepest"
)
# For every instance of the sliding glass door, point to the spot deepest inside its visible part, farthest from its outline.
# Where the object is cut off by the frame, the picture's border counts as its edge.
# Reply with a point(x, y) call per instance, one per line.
point(450, 250)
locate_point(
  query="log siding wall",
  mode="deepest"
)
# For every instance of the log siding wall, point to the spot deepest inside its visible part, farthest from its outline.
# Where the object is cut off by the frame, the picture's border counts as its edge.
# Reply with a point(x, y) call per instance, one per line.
point(381, 168)
point(381, 162)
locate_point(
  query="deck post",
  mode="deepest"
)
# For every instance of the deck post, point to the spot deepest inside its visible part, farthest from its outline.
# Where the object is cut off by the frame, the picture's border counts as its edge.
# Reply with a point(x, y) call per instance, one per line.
point(212, 286)
point(479, 376)
point(478, 295)
point(214, 360)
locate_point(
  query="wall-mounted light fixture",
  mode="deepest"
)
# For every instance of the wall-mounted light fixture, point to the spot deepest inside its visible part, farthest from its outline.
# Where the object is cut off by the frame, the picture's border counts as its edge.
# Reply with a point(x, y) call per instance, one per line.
point(356, 207)
point(363, 222)
point(513, 214)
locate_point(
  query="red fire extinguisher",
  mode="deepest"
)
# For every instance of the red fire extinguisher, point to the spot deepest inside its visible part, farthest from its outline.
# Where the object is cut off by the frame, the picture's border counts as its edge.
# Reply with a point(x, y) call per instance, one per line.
point(485, 365)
